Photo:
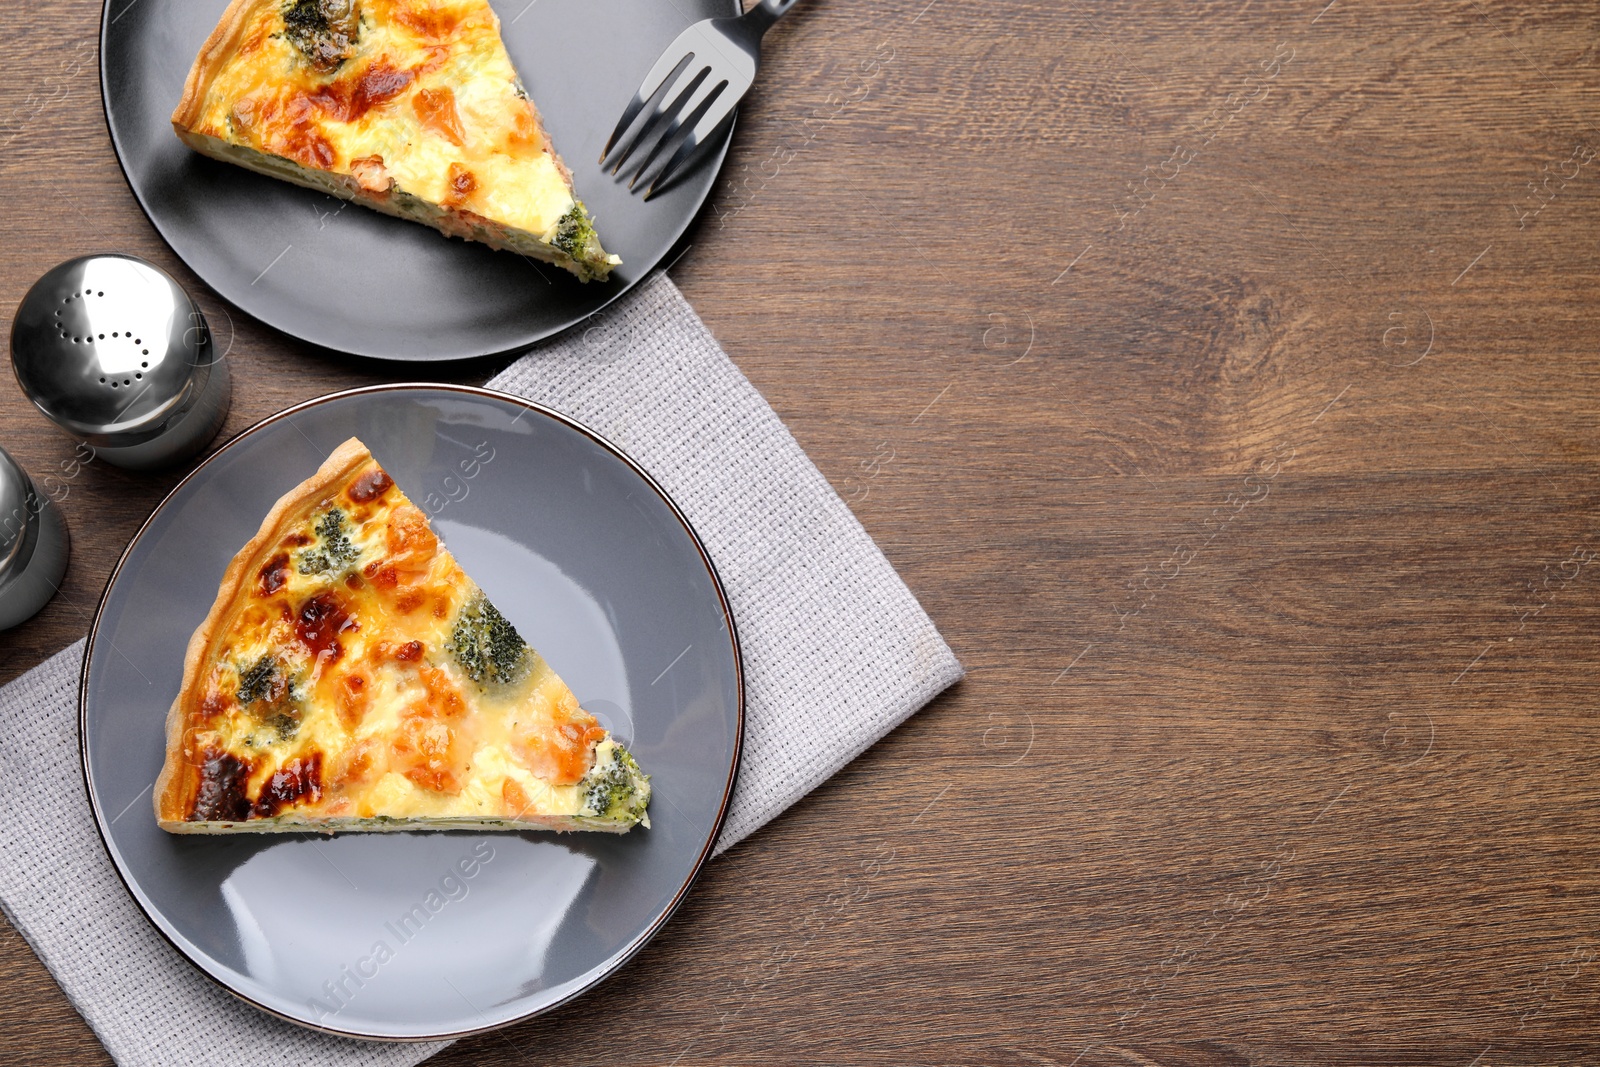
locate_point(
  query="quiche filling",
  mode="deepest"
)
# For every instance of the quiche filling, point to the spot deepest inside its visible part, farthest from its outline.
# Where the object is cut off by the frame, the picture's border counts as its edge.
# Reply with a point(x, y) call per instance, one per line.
point(411, 107)
point(352, 677)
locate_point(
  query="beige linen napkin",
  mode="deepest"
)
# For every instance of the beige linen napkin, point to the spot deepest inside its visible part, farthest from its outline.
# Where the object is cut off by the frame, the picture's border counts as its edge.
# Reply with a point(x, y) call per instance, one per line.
point(837, 652)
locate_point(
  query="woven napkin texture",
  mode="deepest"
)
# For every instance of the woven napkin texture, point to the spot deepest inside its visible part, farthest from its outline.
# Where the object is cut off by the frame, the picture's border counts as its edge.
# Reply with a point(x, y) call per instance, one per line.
point(836, 650)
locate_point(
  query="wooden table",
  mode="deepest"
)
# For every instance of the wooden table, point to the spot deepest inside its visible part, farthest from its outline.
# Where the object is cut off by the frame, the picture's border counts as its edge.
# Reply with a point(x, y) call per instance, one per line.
point(1225, 380)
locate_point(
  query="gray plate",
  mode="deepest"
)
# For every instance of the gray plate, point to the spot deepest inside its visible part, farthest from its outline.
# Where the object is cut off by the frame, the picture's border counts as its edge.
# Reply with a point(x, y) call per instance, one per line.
point(350, 279)
point(419, 935)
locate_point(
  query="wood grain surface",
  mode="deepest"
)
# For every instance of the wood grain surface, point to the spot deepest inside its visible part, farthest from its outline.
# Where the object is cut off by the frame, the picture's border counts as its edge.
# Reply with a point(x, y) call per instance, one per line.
point(1225, 380)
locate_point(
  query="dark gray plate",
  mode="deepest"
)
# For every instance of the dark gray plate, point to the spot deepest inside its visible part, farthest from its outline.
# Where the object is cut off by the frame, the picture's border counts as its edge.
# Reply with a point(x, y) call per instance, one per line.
point(350, 279)
point(420, 935)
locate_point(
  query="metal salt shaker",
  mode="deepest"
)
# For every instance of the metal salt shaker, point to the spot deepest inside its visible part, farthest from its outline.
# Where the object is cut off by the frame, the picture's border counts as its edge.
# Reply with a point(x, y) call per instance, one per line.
point(33, 545)
point(114, 351)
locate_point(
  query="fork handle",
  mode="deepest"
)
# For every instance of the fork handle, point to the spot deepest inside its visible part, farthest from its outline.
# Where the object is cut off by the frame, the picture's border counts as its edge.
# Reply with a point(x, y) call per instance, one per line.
point(767, 12)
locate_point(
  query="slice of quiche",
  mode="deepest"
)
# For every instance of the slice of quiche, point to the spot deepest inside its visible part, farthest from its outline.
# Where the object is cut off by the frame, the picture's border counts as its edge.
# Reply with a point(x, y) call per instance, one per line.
point(411, 107)
point(350, 676)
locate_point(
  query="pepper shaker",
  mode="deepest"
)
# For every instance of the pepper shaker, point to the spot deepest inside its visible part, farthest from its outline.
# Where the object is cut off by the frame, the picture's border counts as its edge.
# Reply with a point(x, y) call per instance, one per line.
point(113, 351)
point(33, 545)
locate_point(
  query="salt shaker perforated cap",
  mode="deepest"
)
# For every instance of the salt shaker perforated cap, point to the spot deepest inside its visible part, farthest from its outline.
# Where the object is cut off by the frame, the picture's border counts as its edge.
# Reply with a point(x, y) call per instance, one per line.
point(111, 349)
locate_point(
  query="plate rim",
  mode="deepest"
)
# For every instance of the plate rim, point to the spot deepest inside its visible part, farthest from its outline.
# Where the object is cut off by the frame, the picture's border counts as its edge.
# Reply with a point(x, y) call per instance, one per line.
point(621, 958)
point(716, 162)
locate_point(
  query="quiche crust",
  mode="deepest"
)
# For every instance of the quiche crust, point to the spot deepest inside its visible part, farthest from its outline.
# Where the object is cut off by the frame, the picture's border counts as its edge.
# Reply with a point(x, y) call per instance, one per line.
point(178, 782)
point(223, 41)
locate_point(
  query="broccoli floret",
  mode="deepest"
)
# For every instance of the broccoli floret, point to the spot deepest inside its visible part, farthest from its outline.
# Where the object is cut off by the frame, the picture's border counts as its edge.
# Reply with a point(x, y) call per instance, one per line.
point(285, 724)
point(336, 548)
point(617, 789)
point(260, 680)
point(486, 645)
point(265, 683)
point(323, 31)
point(575, 235)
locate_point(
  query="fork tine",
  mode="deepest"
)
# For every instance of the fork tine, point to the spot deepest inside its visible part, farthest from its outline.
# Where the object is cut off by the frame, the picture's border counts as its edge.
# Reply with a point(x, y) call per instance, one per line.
point(687, 114)
point(692, 100)
point(664, 116)
point(663, 75)
point(718, 110)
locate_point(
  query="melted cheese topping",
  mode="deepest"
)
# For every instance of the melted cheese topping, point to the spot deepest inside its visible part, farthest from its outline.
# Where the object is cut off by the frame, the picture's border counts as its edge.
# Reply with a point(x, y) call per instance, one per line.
point(348, 686)
point(425, 118)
